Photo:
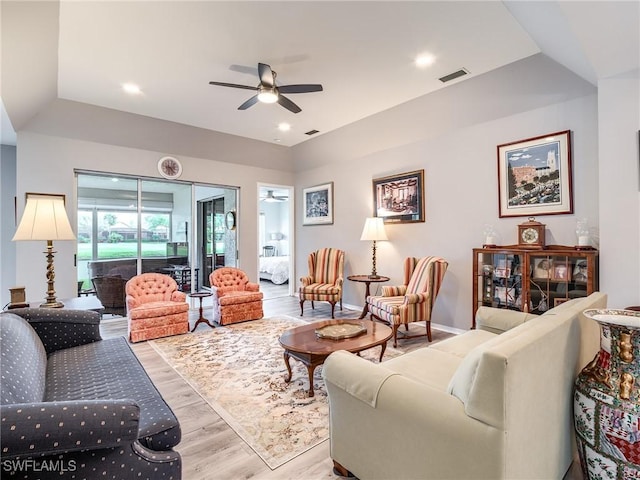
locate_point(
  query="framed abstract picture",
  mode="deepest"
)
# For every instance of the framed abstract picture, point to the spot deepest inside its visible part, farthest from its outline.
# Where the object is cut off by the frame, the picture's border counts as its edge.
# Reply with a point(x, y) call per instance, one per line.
point(399, 198)
point(317, 204)
point(535, 176)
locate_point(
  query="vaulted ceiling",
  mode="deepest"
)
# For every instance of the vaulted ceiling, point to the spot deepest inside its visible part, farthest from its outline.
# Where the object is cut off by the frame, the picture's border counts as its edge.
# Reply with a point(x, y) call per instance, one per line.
point(361, 52)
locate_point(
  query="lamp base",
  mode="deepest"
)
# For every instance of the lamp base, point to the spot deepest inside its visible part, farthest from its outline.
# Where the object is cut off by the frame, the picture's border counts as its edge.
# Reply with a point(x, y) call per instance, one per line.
point(374, 276)
point(54, 304)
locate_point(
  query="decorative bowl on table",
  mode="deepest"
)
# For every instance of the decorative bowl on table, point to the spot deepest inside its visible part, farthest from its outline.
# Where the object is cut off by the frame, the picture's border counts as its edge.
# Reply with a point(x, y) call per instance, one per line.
point(342, 330)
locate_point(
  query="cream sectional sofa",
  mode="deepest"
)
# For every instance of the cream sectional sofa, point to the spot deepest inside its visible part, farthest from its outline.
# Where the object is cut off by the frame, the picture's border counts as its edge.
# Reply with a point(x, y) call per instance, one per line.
point(492, 403)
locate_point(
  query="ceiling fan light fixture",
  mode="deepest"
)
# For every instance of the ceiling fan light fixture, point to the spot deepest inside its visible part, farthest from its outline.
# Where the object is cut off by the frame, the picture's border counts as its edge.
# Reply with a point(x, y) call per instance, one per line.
point(267, 95)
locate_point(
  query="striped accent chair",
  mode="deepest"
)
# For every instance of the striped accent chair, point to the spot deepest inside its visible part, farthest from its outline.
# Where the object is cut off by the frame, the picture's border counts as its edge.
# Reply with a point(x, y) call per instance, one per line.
point(413, 301)
point(235, 298)
point(325, 279)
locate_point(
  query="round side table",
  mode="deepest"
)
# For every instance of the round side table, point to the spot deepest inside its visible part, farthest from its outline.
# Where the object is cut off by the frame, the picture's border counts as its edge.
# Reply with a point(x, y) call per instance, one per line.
point(367, 280)
point(200, 296)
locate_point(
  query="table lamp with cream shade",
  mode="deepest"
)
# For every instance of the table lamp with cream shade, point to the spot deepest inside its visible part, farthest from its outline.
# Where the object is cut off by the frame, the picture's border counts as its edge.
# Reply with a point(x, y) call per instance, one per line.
point(374, 231)
point(45, 218)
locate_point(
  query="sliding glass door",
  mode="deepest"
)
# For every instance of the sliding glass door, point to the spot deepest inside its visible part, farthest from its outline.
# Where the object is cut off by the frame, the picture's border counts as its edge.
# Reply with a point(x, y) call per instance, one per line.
point(128, 226)
point(217, 241)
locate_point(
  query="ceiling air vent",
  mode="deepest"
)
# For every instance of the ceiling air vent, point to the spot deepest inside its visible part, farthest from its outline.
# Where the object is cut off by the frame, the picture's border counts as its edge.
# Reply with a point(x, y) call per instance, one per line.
point(452, 76)
point(311, 132)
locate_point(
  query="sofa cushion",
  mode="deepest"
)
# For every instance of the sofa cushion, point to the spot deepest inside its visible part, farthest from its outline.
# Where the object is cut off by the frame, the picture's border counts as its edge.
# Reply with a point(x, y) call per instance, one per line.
point(109, 370)
point(23, 362)
point(461, 345)
point(158, 309)
point(463, 378)
point(427, 366)
point(239, 297)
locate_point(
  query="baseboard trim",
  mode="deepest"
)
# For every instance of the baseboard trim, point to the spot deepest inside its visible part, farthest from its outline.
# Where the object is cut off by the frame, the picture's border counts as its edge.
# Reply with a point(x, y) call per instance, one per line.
point(447, 328)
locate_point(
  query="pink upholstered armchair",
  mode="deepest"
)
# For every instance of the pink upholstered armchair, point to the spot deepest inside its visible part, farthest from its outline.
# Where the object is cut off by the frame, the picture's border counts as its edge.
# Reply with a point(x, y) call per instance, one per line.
point(413, 301)
point(325, 279)
point(235, 298)
point(155, 307)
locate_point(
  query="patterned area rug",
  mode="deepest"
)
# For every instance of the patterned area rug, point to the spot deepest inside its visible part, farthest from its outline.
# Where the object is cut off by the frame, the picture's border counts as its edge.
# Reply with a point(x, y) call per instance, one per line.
point(239, 370)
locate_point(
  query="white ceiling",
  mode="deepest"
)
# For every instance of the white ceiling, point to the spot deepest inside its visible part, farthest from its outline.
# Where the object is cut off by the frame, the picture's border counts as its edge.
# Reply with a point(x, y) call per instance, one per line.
point(361, 52)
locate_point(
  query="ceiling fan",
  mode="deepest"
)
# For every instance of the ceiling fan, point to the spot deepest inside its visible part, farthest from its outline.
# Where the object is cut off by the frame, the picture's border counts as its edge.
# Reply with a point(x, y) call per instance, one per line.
point(270, 197)
point(268, 92)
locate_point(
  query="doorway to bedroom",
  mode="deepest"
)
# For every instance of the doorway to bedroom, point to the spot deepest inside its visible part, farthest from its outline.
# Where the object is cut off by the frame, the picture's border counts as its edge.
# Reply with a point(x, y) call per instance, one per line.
point(275, 242)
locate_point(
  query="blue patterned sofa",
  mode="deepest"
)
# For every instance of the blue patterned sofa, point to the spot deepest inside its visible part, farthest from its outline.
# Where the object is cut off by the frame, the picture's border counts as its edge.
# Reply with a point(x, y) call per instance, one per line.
point(74, 404)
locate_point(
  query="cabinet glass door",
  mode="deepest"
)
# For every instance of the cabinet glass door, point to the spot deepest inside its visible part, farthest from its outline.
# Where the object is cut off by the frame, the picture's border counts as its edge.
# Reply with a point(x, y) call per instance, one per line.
point(501, 280)
point(556, 279)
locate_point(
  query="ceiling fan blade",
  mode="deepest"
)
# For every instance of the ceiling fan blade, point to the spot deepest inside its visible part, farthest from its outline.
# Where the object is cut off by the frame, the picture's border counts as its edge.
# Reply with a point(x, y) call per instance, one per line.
point(252, 101)
point(233, 85)
point(266, 75)
point(300, 88)
point(243, 69)
point(288, 104)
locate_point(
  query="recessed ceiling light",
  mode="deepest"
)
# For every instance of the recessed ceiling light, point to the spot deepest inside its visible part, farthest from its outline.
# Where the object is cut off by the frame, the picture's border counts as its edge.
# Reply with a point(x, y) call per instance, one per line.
point(425, 60)
point(284, 127)
point(131, 88)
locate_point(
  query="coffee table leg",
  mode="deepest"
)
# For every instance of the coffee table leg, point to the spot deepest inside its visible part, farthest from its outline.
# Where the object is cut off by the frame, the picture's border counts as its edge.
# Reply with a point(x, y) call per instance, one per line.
point(384, 347)
point(286, 362)
point(310, 370)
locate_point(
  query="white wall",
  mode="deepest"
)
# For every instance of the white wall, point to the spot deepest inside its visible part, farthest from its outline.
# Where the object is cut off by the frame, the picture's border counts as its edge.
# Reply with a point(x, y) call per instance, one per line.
point(460, 163)
point(8, 221)
point(46, 164)
point(619, 152)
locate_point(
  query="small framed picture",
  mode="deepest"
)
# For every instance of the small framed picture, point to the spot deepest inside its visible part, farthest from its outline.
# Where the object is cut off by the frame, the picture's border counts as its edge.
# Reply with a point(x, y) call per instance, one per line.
point(505, 296)
point(580, 271)
point(542, 268)
point(535, 177)
point(558, 301)
point(317, 204)
point(501, 272)
point(560, 272)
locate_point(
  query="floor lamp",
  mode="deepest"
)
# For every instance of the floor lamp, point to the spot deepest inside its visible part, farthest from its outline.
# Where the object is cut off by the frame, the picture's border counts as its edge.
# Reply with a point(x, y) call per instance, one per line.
point(45, 218)
point(374, 231)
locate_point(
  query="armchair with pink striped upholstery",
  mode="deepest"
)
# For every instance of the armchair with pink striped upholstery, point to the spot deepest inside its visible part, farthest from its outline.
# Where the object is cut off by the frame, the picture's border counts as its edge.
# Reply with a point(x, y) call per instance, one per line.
point(235, 298)
point(325, 279)
point(413, 301)
point(155, 307)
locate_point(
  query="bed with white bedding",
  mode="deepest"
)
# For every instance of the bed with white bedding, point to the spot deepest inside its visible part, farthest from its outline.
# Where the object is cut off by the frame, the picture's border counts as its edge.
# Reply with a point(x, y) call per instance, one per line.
point(275, 269)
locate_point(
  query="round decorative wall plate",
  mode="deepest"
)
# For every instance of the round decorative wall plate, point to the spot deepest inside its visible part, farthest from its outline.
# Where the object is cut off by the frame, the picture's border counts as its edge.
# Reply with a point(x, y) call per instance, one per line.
point(169, 167)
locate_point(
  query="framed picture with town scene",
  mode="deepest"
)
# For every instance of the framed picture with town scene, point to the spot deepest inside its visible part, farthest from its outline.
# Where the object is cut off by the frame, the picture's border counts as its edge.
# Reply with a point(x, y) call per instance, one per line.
point(535, 177)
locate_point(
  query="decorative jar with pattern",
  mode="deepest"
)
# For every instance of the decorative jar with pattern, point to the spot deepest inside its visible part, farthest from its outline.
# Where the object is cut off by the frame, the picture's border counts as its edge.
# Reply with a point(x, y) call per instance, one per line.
point(607, 400)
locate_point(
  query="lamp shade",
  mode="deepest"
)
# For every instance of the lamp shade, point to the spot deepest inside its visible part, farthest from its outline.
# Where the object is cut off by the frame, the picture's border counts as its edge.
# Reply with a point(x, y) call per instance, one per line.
point(373, 229)
point(44, 218)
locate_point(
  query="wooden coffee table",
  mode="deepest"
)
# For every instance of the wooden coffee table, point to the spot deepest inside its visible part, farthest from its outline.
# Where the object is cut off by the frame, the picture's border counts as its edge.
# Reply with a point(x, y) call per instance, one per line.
point(303, 344)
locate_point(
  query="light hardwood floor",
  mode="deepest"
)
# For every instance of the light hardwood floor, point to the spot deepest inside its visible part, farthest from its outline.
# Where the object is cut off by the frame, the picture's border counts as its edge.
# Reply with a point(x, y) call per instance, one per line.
point(210, 449)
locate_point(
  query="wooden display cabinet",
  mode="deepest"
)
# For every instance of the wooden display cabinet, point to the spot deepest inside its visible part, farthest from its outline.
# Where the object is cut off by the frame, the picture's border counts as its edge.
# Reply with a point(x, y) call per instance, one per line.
point(532, 280)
